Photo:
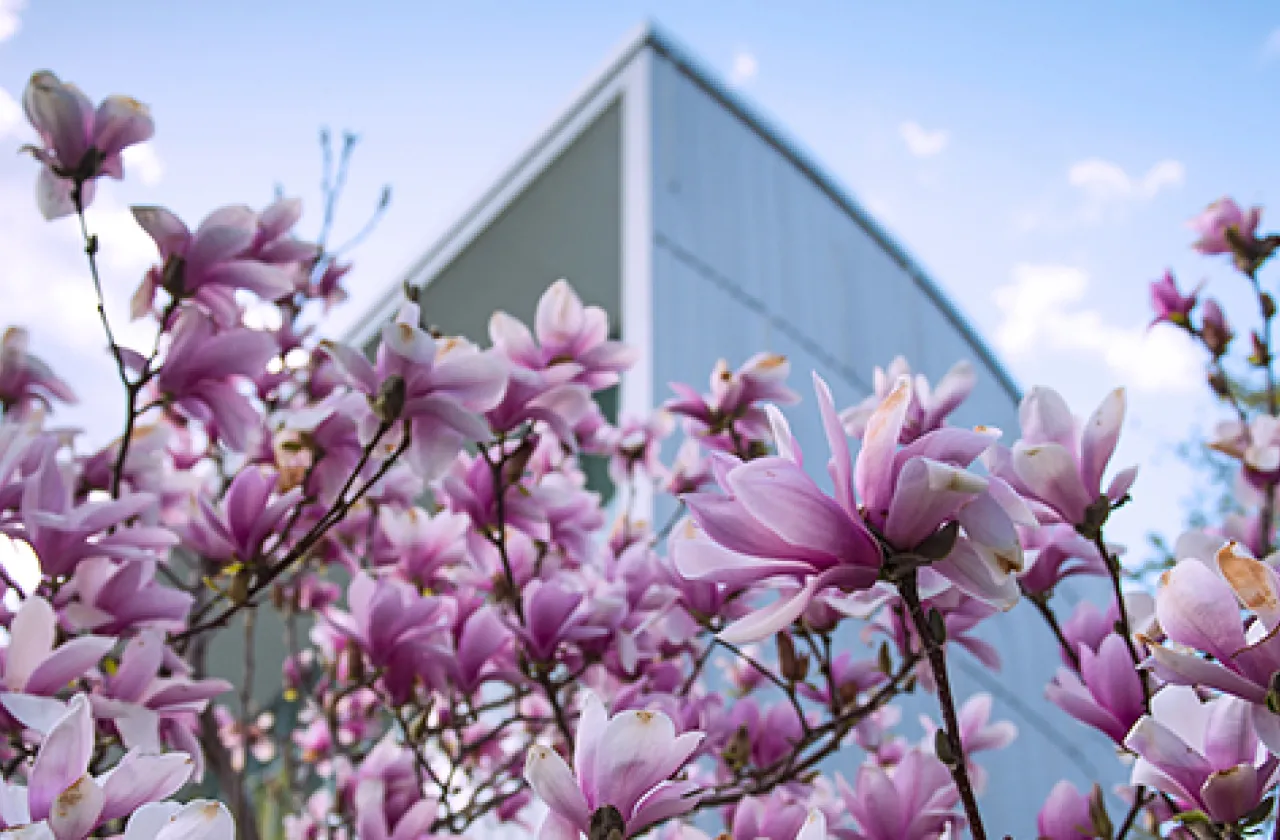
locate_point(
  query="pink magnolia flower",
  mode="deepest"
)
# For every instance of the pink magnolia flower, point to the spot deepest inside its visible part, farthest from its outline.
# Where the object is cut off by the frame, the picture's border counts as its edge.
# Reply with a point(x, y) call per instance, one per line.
point(731, 417)
point(1169, 304)
point(32, 665)
point(1058, 464)
point(447, 383)
point(554, 612)
point(1107, 693)
point(209, 264)
point(622, 767)
point(399, 631)
point(248, 519)
point(773, 521)
point(114, 596)
point(199, 371)
point(1256, 446)
point(567, 333)
point(78, 143)
point(60, 792)
point(25, 381)
point(916, 801)
point(1205, 755)
point(1065, 815)
point(1198, 608)
point(389, 801)
point(63, 534)
point(140, 701)
point(929, 406)
point(1219, 217)
point(778, 816)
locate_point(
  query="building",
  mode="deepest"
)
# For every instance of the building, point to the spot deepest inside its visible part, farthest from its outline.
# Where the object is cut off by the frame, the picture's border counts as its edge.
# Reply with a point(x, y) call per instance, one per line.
point(668, 200)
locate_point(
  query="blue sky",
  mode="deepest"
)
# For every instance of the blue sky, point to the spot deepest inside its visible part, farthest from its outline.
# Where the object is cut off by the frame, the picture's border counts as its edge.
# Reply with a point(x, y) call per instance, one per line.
point(1039, 159)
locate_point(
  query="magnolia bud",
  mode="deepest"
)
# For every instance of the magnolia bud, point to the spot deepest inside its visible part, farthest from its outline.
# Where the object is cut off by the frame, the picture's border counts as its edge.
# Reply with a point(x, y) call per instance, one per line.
point(389, 401)
point(794, 667)
point(607, 824)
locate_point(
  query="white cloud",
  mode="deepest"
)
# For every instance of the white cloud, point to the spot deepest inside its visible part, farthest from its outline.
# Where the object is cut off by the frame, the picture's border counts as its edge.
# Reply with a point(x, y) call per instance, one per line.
point(9, 20)
point(10, 114)
point(923, 143)
point(1102, 181)
point(141, 160)
point(745, 67)
point(1043, 313)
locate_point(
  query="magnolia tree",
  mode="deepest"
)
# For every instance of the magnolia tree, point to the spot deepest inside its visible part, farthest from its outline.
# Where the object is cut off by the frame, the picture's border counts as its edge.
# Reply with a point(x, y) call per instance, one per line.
point(474, 641)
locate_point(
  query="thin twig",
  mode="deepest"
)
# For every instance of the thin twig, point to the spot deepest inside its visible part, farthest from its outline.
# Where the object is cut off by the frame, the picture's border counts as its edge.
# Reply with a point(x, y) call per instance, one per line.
point(909, 589)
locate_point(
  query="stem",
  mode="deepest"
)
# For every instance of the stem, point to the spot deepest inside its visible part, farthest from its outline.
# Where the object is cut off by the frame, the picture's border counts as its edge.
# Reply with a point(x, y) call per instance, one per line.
point(938, 663)
point(1046, 612)
point(1267, 515)
point(1113, 570)
point(1139, 800)
point(131, 389)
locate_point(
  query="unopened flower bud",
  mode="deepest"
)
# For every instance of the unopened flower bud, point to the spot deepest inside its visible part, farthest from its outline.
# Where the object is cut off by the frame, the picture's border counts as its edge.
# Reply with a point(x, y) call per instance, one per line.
point(389, 401)
point(1214, 331)
point(607, 824)
point(794, 666)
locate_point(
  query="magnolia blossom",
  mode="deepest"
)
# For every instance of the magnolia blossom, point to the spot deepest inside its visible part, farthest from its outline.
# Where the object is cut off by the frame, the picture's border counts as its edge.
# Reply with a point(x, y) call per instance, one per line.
point(209, 264)
point(1206, 755)
point(78, 143)
point(1065, 815)
point(1198, 609)
point(929, 406)
point(62, 795)
point(1219, 217)
point(622, 771)
point(1058, 464)
point(1170, 305)
point(1107, 694)
point(731, 416)
point(200, 371)
point(916, 801)
point(567, 333)
point(439, 386)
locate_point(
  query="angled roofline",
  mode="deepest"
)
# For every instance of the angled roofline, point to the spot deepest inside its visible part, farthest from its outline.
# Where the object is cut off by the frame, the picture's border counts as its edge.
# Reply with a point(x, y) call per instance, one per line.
point(651, 36)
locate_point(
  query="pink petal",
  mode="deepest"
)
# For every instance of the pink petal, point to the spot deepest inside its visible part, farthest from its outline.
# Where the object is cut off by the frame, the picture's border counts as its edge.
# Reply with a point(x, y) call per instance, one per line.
point(1098, 440)
point(166, 229)
point(763, 623)
point(63, 757)
point(76, 810)
point(1049, 472)
point(554, 784)
point(841, 466)
point(68, 662)
point(1197, 608)
point(31, 639)
point(873, 473)
point(139, 779)
point(786, 501)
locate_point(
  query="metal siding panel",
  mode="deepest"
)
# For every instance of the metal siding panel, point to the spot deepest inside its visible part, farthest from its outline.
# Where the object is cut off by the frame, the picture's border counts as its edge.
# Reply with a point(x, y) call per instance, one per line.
point(751, 255)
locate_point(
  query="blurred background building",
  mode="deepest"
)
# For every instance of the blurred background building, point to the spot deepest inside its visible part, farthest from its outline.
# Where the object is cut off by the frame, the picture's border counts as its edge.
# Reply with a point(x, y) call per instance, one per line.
point(665, 198)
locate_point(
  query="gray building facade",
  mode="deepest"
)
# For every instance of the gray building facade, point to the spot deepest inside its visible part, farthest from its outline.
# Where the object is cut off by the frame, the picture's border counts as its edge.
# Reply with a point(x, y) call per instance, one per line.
point(664, 197)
